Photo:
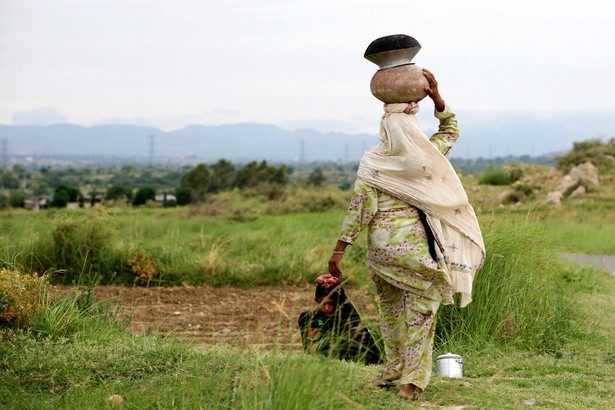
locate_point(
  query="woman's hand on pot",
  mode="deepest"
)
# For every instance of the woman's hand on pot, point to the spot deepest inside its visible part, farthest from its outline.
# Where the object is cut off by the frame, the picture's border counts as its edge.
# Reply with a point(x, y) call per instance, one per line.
point(432, 90)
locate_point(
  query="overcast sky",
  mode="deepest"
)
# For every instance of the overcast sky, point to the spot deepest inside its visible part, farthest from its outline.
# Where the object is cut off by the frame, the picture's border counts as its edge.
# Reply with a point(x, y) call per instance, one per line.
point(292, 63)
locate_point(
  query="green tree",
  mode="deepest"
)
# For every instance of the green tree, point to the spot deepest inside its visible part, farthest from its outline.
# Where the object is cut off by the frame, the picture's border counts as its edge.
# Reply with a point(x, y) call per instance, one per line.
point(60, 199)
point(254, 174)
point(118, 192)
point(143, 195)
point(20, 170)
point(222, 176)
point(183, 194)
point(17, 199)
point(10, 180)
point(197, 180)
point(317, 178)
point(40, 188)
point(64, 194)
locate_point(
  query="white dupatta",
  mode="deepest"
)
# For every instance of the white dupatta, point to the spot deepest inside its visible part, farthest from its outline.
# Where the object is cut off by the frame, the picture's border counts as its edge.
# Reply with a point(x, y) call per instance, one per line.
point(409, 167)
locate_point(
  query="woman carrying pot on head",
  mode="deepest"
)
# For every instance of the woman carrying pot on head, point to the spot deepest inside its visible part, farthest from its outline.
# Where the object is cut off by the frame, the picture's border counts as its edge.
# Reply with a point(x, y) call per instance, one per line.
point(424, 242)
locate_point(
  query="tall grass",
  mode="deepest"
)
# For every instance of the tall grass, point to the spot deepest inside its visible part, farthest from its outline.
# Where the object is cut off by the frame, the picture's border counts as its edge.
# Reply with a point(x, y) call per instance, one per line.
point(519, 290)
point(232, 239)
point(171, 247)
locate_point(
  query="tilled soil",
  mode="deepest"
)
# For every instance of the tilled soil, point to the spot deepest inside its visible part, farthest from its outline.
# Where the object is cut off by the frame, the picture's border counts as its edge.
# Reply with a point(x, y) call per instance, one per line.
point(260, 316)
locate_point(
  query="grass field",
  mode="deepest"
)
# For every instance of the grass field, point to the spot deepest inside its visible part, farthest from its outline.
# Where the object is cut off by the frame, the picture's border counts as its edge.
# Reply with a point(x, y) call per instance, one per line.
point(93, 365)
point(178, 245)
point(538, 328)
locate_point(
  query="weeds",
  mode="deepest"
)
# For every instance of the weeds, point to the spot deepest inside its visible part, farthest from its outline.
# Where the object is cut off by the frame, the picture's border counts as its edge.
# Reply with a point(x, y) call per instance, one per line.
point(142, 265)
point(21, 297)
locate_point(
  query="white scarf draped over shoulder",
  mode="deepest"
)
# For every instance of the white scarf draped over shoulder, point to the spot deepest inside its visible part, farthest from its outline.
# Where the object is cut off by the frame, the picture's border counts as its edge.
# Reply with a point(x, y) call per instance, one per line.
point(408, 166)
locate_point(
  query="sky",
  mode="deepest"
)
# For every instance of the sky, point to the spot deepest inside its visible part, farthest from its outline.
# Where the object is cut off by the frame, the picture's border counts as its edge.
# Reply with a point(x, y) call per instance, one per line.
point(293, 63)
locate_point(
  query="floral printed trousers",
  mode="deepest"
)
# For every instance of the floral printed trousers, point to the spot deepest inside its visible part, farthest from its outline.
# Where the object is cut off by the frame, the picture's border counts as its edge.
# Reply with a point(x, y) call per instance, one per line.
point(408, 324)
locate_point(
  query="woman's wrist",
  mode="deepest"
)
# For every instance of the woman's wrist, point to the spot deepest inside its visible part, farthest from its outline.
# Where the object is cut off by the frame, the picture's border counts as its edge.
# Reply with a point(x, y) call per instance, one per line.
point(439, 104)
point(340, 248)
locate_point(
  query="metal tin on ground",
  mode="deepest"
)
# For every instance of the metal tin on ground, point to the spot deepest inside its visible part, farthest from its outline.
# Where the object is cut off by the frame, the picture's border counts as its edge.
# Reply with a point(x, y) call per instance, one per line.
point(449, 365)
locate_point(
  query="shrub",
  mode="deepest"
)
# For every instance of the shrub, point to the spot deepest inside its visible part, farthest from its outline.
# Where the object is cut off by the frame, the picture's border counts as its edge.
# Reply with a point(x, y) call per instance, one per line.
point(21, 296)
point(515, 174)
point(81, 244)
point(520, 192)
point(494, 176)
point(142, 265)
point(595, 151)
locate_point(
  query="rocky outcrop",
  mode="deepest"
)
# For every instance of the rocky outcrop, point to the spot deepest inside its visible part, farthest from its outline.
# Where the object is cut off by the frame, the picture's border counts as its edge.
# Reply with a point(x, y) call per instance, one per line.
point(574, 183)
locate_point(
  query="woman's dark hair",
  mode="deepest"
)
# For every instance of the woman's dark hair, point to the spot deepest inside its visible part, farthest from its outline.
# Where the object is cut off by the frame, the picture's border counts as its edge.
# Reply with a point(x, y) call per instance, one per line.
point(335, 293)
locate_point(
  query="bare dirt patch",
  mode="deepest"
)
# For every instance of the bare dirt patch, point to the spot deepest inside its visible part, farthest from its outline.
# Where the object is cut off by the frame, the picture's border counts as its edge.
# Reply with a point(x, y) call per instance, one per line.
point(261, 316)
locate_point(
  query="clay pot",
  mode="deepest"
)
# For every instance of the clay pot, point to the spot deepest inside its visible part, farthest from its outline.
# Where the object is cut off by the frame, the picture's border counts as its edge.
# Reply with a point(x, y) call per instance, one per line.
point(399, 84)
point(398, 79)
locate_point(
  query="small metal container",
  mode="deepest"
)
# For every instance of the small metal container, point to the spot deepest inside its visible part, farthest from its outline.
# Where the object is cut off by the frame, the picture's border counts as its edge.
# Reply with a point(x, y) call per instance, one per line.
point(449, 365)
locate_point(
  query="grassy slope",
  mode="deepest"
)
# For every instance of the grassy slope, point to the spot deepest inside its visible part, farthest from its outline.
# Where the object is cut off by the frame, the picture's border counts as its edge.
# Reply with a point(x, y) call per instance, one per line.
point(82, 371)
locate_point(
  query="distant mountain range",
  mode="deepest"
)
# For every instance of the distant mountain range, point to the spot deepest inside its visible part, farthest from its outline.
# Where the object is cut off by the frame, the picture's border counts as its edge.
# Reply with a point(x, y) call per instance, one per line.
point(486, 135)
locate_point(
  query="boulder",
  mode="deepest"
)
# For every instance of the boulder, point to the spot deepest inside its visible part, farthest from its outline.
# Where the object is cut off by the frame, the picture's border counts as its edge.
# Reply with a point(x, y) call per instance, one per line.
point(554, 198)
point(579, 191)
point(579, 176)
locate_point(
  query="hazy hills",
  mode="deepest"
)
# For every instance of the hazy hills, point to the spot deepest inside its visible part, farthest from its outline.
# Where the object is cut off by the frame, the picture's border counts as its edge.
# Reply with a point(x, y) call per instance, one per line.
point(482, 136)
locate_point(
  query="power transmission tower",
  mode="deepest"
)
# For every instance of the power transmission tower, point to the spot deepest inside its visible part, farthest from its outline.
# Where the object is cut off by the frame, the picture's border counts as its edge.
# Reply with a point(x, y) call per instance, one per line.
point(346, 150)
point(302, 154)
point(151, 149)
point(5, 154)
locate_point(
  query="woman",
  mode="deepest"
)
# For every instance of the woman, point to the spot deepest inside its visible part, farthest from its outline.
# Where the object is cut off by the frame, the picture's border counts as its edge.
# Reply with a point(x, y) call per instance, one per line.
point(424, 241)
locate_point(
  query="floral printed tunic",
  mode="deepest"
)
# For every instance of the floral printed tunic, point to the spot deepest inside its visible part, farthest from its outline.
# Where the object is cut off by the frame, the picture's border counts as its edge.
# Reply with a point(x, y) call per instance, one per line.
point(398, 251)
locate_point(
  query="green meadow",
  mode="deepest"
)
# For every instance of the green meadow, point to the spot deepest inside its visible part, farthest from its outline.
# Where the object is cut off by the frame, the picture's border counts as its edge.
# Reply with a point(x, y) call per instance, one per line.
point(538, 327)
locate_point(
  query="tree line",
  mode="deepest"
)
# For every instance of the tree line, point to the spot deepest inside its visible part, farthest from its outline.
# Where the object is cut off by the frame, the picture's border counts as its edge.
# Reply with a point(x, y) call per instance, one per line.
point(191, 185)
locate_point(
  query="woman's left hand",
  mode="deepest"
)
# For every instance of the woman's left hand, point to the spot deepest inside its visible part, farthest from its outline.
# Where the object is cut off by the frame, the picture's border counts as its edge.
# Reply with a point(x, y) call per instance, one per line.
point(432, 90)
point(334, 265)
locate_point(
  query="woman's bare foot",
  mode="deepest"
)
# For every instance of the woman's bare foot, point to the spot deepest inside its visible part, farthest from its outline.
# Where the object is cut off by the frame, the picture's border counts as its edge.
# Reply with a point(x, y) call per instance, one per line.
point(408, 391)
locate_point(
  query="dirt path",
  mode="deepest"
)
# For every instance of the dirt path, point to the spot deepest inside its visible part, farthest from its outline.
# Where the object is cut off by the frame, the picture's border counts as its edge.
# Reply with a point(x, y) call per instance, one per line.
point(603, 261)
point(261, 316)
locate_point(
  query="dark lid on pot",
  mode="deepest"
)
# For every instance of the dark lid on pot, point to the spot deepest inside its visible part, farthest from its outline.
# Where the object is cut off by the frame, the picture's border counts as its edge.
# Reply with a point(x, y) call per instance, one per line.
point(391, 51)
